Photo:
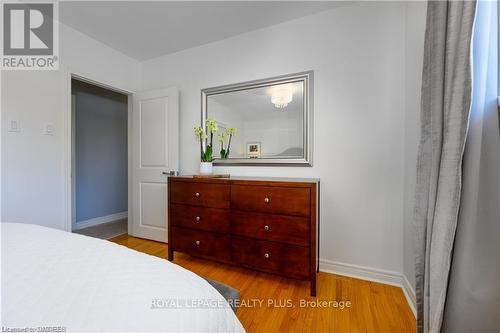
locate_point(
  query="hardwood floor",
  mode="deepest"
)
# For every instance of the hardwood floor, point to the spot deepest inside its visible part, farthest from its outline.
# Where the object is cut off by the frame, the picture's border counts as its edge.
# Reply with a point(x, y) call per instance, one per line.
point(374, 307)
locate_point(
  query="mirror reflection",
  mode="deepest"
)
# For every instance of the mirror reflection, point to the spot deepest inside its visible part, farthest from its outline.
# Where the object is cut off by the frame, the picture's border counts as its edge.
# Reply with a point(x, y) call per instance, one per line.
point(269, 119)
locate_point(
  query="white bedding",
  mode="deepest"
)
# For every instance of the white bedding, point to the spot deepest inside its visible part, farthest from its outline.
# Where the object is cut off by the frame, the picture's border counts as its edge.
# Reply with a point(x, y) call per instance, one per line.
point(55, 278)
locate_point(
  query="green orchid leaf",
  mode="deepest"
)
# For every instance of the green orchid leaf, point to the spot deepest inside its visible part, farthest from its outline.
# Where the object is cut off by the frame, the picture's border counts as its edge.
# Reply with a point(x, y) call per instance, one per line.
point(208, 154)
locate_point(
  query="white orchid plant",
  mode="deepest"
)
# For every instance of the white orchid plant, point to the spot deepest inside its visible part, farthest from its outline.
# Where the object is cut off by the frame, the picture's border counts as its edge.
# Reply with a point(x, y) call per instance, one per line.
point(206, 138)
point(230, 132)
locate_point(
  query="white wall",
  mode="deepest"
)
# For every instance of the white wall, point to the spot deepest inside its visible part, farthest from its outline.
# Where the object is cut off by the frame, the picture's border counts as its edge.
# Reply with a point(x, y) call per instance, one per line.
point(357, 53)
point(31, 162)
point(33, 176)
point(92, 59)
point(415, 31)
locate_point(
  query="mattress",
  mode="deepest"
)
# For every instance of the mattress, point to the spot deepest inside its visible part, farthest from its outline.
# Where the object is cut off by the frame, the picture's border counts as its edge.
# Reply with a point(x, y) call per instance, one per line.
point(52, 278)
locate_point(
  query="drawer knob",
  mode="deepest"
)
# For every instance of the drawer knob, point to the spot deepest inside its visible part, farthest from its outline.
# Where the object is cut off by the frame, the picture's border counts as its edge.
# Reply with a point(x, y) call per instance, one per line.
point(197, 218)
point(266, 200)
point(266, 255)
point(266, 227)
point(197, 242)
point(197, 194)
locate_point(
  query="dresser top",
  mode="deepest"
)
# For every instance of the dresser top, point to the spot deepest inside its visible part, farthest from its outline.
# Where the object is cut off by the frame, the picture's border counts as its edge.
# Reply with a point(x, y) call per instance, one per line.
point(244, 179)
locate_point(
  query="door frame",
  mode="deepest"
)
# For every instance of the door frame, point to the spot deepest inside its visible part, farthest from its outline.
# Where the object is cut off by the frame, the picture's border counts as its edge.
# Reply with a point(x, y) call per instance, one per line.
point(68, 157)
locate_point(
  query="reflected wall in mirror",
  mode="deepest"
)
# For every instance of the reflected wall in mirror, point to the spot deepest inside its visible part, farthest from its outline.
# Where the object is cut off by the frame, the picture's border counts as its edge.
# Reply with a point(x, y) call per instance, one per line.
point(273, 117)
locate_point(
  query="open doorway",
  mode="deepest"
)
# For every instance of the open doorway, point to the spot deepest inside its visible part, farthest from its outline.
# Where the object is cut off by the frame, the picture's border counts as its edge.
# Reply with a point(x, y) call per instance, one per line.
point(99, 142)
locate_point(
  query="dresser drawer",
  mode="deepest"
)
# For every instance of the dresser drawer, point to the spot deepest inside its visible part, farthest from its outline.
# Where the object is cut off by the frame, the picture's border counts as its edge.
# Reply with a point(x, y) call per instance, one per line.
point(201, 218)
point(280, 228)
point(283, 259)
point(201, 243)
point(266, 199)
point(199, 194)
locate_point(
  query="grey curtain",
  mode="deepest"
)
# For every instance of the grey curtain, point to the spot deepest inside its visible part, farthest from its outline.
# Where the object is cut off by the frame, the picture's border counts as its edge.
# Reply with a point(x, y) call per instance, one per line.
point(473, 301)
point(446, 97)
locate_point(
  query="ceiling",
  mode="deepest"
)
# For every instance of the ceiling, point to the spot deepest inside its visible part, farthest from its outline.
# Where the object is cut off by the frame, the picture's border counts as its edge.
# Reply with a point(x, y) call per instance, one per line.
point(144, 30)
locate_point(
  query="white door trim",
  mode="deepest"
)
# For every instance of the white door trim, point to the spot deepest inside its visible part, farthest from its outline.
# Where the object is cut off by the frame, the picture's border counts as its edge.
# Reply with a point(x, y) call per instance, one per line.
point(68, 166)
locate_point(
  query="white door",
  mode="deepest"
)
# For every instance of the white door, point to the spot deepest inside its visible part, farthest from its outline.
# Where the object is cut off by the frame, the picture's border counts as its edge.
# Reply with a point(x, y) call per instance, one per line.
point(155, 151)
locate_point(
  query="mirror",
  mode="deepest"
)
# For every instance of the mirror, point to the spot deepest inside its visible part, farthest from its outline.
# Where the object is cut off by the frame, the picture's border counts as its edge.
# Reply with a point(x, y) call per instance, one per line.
point(273, 118)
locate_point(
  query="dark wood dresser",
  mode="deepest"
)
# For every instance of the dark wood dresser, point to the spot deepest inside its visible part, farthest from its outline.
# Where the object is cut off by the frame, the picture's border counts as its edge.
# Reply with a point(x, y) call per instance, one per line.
point(266, 224)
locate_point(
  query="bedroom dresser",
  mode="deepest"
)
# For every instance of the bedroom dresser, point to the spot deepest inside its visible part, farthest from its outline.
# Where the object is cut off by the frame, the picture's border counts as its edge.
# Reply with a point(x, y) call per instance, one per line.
point(265, 224)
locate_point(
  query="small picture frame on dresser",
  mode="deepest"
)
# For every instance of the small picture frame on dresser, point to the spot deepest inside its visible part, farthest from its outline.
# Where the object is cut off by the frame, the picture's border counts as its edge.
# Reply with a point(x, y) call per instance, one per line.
point(253, 149)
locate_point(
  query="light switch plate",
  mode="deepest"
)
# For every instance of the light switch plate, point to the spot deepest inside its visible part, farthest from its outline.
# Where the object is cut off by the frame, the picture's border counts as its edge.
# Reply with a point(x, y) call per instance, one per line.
point(14, 125)
point(48, 129)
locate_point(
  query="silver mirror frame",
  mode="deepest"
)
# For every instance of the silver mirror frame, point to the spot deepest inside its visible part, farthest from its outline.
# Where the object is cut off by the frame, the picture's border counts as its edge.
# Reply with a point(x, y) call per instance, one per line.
point(307, 79)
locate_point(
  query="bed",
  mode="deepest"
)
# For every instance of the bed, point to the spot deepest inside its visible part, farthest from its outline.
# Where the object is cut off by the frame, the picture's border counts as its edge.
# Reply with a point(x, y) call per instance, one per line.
point(55, 278)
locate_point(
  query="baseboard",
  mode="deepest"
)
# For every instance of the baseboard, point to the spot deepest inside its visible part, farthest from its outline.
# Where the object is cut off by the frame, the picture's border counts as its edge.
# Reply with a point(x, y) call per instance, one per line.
point(100, 220)
point(409, 292)
point(371, 274)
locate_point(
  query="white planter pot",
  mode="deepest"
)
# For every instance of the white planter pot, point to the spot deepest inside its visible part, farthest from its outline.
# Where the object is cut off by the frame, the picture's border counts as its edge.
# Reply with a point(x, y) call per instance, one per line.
point(206, 168)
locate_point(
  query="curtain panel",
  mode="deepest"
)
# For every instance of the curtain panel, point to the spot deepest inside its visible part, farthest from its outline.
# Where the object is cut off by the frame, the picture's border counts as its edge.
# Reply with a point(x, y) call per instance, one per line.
point(445, 106)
